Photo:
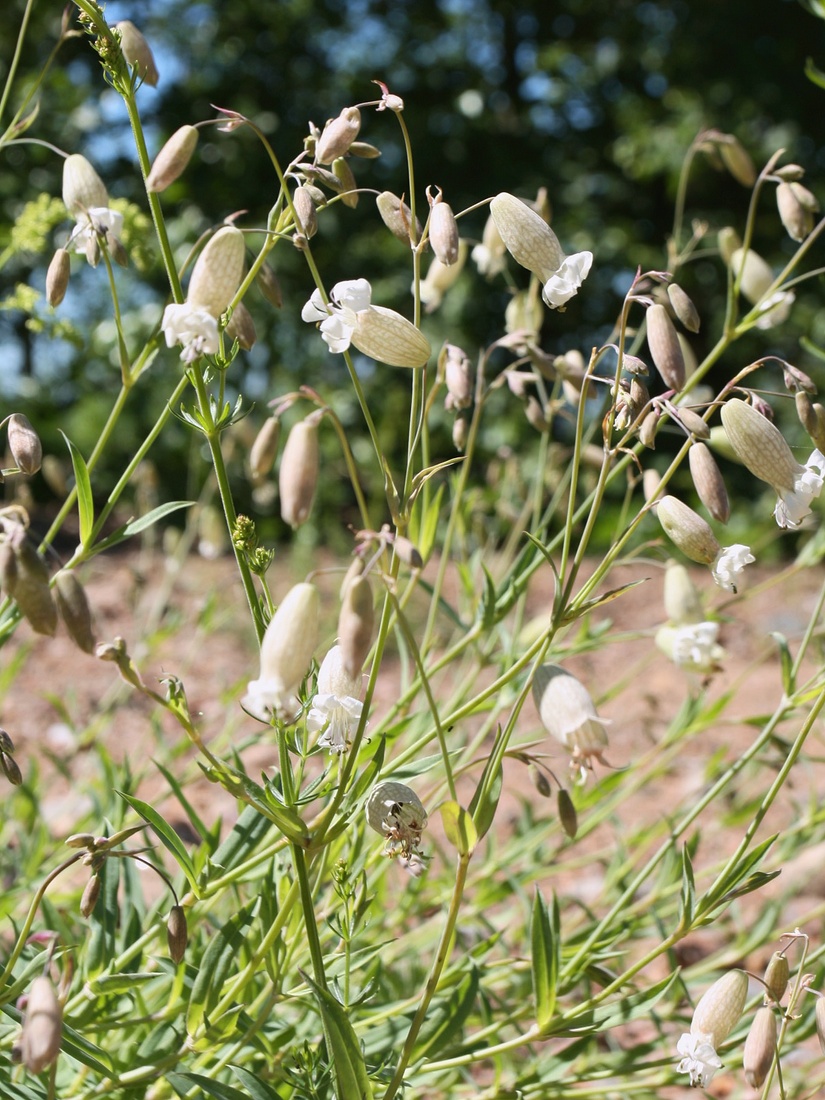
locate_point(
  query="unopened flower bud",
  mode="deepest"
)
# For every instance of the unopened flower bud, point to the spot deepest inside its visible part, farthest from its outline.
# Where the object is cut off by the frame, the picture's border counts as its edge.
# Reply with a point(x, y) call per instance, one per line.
point(389, 338)
point(693, 423)
point(458, 377)
point(683, 307)
point(11, 769)
point(338, 135)
point(80, 840)
point(568, 713)
point(24, 444)
point(647, 431)
point(540, 781)
point(777, 974)
point(298, 476)
point(797, 218)
point(760, 1047)
point(651, 479)
point(241, 327)
point(790, 172)
point(408, 552)
point(177, 934)
point(688, 530)
point(90, 895)
point(265, 448)
point(708, 482)
point(567, 813)
point(306, 215)
point(396, 215)
point(683, 605)
point(31, 590)
point(57, 277)
point(74, 609)
point(665, 350)
point(218, 271)
point(364, 150)
point(83, 189)
point(396, 812)
point(42, 1026)
point(269, 286)
point(173, 159)
point(736, 159)
point(443, 231)
point(136, 51)
point(286, 652)
point(459, 433)
point(729, 242)
point(349, 185)
point(355, 624)
point(6, 743)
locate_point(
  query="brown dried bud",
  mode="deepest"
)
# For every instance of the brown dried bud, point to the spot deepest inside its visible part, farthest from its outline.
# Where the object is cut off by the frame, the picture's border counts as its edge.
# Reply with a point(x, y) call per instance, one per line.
point(443, 230)
point(11, 769)
point(567, 813)
point(349, 185)
point(218, 271)
point(408, 552)
point(305, 212)
point(24, 444)
point(665, 349)
point(42, 1026)
point(57, 277)
point(355, 624)
point(298, 476)
point(265, 448)
point(683, 307)
point(8, 568)
point(136, 51)
point(797, 219)
point(760, 1047)
point(31, 590)
point(177, 934)
point(688, 530)
point(708, 482)
point(777, 974)
point(397, 217)
point(90, 895)
point(173, 159)
point(269, 285)
point(337, 136)
point(241, 327)
point(116, 249)
point(83, 189)
point(74, 609)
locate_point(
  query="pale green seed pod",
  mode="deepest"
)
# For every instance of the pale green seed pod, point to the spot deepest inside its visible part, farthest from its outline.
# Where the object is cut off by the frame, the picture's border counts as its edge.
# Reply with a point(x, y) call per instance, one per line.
point(396, 215)
point(708, 482)
point(42, 1026)
point(57, 277)
point(355, 625)
point(338, 135)
point(83, 189)
point(298, 476)
point(389, 338)
point(665, 349)
point(720, 1007)
point(24, 444)
point(218, 271)
point(760, 1047)
point(177, 934)
point(136, 52)
point(173, 159)
point(74, 609)
point(777, 974)
point(683, 604)
point(759, 445)
point(688, 530)
point(683, 307)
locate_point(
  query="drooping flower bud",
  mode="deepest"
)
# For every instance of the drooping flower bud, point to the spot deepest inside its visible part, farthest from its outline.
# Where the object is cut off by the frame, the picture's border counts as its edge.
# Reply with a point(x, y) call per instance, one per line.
point(57, 277)
point(24, 444)
point(136, 51)
point(567, 813)
point(305, 212)
point(265, 448)
point(241, 327)
point(443, 230)
point(796, 216)
point(458, 378)
point(396, 812)
point(11, 769)
point(90, 895)
point(83, 189)
point(269, 285)
point(42, 1026)
point(286, 652)
point(388, 337)
point(665, 349)
point(440, 278)
point(683, 307)
point(74, 609)
point(173, 159)
point(720, 1007)
point(688, 530)
point(177, 934)
point(298, 476)
point(567, 713)
point(355, 624)
point(708, 482)
point(346, 177)
point(777, 974)
point(31, 588)
point(338, 135)
point(760, 1047)
point(396, 215)
point(736, 159)
point(408, 552)
point(218, 271)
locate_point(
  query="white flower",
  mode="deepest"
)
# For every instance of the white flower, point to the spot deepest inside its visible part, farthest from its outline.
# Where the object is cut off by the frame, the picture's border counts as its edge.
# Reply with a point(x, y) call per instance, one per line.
point(792, 507)
point(564, 283)
point(268, 696)
point(568, 713)
point(336, 708)
point(94, 223)
point(338, 316)
point(193, 327)
point(699, 1059)
point(692, 646)
point(729, 564)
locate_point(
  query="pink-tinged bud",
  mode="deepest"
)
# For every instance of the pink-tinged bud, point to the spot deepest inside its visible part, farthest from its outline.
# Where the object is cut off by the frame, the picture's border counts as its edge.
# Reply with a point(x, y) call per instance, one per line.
point(306, 215)
point(90, 895)
point(568, 713)
point(683, 604)
point(389, 338)
point(760, 1047)
point(349, 185)
point(683, 307)
point(688, 530)
point(708, 482)
point(298, 476)
point(42, 1026)
point(759, 445)
point(83, 189)
point(443, 231)
point(458, 377)
point(665, 349)
point(286, 652)
point(338, 135)
point(218, 271)
point(265, 448)
point(74, 609)
point(136, 52)
point(57, 277)
point(408, 552)
point(796, 216)
point(647, 430)
point(355, 624)
point(173, 159)
point(396, 215)
point(241, 327)
point(24, 444)
point(459, 434)
point(177, 934)
point(720, 1007)
point(396, 812)
point(777, 973)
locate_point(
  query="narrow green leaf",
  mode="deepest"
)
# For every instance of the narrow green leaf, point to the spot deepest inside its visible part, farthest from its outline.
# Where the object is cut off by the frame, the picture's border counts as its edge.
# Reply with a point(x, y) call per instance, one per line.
point(194, 818)
point(459, 827)
point(135, 526)
point(687, 898)
point(545, 937)
point(167, 836)
point(183, 1083)
point(621, 1011)
point(245, 836)
point(257, 1089)
point(814, 74)
point(222, 952)
point(484, 802)
point(349, 1069)
point(85, 502)
point(788, 678)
